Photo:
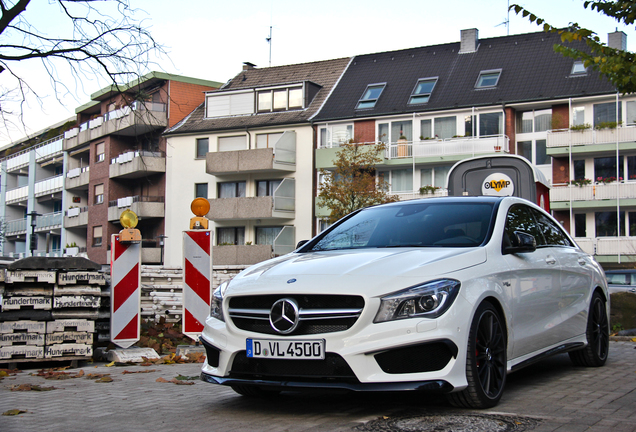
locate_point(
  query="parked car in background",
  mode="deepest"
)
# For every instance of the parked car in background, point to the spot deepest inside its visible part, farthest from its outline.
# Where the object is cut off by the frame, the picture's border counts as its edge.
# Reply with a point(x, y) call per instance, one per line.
point(621, 280)
point(441, 294)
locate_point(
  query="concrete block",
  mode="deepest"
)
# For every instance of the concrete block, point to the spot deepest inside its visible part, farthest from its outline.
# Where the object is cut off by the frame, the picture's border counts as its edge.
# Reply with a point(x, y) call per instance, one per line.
point(134, 355)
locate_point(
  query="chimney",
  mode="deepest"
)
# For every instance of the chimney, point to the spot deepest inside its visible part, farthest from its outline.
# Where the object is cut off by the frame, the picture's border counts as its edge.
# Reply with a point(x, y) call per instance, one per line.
point(469, 41)
point(617, 40)
point(248, 66)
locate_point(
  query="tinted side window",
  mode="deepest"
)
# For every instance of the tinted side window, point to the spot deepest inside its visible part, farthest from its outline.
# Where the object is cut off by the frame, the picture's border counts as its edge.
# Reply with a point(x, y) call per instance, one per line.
point(520, 218)
point(552, 233)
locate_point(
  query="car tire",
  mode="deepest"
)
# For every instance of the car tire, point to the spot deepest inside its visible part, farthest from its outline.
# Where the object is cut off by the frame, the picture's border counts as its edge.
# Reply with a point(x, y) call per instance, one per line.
point(597, 335)
point(254, 391)
point(485, 361)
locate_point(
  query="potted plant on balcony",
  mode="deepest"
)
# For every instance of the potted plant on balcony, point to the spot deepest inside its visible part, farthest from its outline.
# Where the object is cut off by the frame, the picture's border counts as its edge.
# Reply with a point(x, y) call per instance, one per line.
point(497, 148)
point(428, 189)
point(580, 182)
point(72, 249)
point(403, 147)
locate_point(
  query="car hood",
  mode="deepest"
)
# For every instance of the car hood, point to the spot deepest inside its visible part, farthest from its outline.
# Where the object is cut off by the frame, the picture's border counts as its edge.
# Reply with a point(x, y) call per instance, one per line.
point(354, 271)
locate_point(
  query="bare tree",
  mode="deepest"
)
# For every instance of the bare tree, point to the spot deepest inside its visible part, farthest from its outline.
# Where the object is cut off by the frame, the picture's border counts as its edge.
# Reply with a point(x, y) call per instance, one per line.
point(97, 38)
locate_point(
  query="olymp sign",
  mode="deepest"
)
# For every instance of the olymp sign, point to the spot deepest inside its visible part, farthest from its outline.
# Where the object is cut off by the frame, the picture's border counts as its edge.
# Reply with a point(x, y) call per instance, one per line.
point(498, 184)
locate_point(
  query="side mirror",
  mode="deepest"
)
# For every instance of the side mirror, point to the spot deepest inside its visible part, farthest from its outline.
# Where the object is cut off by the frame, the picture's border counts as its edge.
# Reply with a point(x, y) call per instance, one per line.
point(521, 242)
point(300, 243)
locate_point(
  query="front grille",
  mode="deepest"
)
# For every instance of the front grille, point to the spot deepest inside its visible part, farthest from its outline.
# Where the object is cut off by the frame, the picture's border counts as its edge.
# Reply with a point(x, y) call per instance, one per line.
point(332, 368)
point(318, 313)
point(427, 357)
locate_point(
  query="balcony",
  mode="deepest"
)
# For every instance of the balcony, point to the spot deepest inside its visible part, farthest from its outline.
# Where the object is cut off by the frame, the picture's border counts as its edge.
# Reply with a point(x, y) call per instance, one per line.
point(76, 217)
point(135, 164)
point(78, 178)
point(607, 249)
point(48, 221)
point(279, 206)
point(405, 196)
point(49, 186)
point(134, 120)
point(144, 207)
point(240, 255)
point(49, 149)
point(590, 195)
point(18, 161)
point(447, 147)
point(17, 195)
point(559, 141)
point(281, 157)
point(16, 227)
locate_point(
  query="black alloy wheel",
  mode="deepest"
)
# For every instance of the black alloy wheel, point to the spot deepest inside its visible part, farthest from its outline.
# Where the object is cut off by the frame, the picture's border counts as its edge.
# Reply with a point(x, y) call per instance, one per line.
point(597, 334)
point(485, 361)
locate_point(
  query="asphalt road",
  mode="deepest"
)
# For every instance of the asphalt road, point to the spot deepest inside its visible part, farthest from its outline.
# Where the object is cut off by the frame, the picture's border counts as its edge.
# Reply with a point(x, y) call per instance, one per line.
point(549, 396)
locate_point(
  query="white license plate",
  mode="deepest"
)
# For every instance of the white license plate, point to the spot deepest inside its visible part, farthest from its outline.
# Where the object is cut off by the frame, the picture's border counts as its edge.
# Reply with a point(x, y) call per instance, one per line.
point(286, 349)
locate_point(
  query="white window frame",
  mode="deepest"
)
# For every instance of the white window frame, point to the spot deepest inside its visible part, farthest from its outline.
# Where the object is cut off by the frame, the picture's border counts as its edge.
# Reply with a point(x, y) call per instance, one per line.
point(483, 74)
point(415, 95)
point(367, 100)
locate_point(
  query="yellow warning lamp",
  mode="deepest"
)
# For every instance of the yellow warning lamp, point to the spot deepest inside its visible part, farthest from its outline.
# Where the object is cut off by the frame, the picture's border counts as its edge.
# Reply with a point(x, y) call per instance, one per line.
point(200, 207)
point(129, 234)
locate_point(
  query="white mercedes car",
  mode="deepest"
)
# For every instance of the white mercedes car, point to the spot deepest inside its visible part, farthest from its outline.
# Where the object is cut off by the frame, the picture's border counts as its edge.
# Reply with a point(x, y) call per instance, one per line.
point(441, 294)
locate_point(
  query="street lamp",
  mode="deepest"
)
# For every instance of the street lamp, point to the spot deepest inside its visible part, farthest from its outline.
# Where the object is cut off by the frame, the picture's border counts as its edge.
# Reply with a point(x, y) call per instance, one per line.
point(161, 237)
point(34, 238)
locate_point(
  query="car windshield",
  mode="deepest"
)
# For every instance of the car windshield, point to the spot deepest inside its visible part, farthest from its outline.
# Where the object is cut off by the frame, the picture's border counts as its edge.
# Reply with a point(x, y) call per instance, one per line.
point(439, 224)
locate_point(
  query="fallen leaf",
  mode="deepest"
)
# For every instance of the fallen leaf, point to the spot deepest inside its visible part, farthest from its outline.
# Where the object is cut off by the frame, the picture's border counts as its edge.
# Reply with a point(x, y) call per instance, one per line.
point(105, 379)
point(136, 372)
point(14, 412)
point(96, 376)
point(110, 364)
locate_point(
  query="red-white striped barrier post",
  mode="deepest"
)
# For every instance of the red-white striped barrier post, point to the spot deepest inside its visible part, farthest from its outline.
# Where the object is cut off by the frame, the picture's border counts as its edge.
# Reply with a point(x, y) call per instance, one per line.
point(197, 280)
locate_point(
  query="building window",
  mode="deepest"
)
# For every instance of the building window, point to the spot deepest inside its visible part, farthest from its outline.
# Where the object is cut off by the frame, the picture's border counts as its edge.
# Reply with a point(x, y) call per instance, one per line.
point(267, 140)
point(579, 169)
point(632, 224)
point(535, 151)
point(578, 68)
point(335, 135)
point(370, 96)
point(97, 236)
point(605, 168)
point(445, 127)
point(489, 124)
point(267, 235)
point(606, 113)
point(488, 78)
point(203, 145)
point(534, 121)
point(280, 99)
point(435, 176)
point(401, 180)
point(580, 225)
point(631, 112)
point(230, 236)
point(233, 143)
point(422, 91)
point(578, 116)
point(231, 189)
point(99, 193)
point(201, 190)
point(99, 152)
point(607, 224)
point(266, 187)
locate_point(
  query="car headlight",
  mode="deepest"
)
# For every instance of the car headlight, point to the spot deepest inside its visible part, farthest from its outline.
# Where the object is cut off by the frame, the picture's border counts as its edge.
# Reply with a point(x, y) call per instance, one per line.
point(429, 300)
point(216, 306)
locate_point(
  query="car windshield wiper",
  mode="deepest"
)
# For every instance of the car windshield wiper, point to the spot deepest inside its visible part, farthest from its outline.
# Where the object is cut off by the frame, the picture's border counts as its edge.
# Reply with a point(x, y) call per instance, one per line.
point(403, 245)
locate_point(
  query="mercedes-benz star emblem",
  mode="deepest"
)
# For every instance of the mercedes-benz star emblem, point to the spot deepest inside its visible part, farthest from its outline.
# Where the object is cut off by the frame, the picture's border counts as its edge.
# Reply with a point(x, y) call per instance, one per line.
point(283, 316)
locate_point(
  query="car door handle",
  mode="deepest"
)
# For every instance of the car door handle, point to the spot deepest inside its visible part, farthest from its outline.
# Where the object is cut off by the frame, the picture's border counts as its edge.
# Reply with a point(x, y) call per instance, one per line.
point(550, 260)
point(582, 261)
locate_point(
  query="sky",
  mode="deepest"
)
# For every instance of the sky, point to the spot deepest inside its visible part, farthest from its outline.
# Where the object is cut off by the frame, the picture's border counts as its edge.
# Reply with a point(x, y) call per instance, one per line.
point(211, 39)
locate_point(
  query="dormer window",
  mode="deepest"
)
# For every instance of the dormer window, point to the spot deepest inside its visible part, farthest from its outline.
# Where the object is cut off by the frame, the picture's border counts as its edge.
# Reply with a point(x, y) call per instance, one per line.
point(488, 78)
point(280, 99)
point(422, 91)
point(578, 68)
point(370, 96)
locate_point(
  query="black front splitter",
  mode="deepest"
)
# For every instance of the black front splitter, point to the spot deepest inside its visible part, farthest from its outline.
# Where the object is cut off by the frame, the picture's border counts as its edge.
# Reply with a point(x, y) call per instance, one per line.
point(427, 386)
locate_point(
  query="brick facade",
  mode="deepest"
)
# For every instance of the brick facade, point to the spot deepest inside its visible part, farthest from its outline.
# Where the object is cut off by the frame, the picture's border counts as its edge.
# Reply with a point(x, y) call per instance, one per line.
point(364, 131)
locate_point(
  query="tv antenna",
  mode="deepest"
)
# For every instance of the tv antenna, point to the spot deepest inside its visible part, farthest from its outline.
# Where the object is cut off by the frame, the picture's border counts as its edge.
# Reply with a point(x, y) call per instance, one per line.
point(269, 41)
point(507, 20)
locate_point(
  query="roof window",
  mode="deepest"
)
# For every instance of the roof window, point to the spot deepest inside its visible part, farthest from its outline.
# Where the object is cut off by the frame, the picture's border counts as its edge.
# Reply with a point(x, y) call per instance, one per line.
point(578, 68)
point(370, 96)
point(422, 91)
point(488, 78)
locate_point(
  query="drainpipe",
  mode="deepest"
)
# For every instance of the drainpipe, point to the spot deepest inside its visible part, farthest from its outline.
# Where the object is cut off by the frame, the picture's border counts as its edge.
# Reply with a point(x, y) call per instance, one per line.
point(570, 167)
point(618, 184)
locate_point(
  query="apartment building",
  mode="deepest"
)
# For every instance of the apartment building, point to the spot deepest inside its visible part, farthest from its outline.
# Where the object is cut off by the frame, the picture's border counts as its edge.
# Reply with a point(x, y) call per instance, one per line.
point(31, 194)
point(249, 149)
point(433, 106)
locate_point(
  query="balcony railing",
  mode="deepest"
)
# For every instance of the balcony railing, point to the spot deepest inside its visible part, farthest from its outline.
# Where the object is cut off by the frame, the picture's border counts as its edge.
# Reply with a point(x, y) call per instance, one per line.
point(450, 146)
point(285, 195)
point(563, 138)
point(284, 242)
point(18, 194)
point(49, 220)
point(405, 196)
point(594, 192)
point(18, 161)
point(128, 201)
point(16, 226)
point(52, 147)
point(131, 154)
point(49, 185)
point(76, 172)
point(607, 245)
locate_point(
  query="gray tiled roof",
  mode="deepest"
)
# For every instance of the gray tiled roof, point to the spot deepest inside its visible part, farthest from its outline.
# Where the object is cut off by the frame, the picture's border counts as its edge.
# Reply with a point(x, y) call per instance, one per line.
point(324, 73)
point(531, 71)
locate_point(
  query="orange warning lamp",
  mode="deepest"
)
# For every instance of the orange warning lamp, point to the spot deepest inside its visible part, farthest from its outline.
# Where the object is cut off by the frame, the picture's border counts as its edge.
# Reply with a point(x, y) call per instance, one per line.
point(129, 234)
point(200, 207)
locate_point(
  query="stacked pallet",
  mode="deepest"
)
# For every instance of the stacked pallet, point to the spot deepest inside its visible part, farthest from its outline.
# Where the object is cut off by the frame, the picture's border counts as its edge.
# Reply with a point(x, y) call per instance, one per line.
point(49, 309)
point(161, 293)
